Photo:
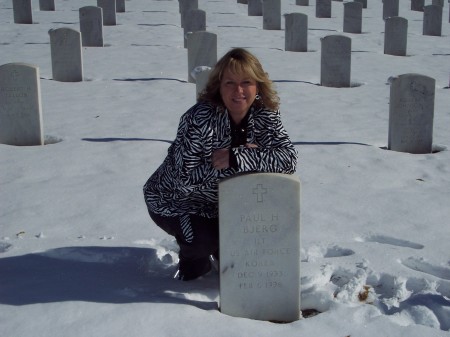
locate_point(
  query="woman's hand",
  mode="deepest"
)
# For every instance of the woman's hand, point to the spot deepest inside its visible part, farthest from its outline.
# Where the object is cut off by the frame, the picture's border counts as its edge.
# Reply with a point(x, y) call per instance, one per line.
point(221, 159)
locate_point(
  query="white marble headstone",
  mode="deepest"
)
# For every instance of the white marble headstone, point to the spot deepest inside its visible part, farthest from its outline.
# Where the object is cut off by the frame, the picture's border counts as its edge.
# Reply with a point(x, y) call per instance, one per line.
point(202, 51)
point(390, 8)
point(47, 5)
point(432, 20)
point(323, 8)
point(395, 36)
point(20, 105)
point(296, 32)
point(302, 2)
point(195, 21)
point(91, 26)
point(22, 11)
point(67, 61)
point(411, 114)
point(109, 11)
point(353, 17)
point(417, 5)
point(271, 14)
point(254, 8)
point(259, 221)
point(335, 61)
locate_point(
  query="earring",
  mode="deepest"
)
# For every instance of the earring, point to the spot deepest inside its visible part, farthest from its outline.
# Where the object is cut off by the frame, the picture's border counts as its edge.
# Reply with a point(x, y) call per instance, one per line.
point(257, 97)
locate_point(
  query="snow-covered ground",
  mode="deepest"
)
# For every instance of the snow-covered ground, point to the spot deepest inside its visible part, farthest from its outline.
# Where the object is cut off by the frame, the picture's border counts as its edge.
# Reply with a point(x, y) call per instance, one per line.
point(79, 255)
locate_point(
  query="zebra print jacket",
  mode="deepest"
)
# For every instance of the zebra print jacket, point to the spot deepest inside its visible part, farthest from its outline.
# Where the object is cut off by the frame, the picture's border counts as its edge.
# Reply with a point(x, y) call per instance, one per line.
point(186, 182)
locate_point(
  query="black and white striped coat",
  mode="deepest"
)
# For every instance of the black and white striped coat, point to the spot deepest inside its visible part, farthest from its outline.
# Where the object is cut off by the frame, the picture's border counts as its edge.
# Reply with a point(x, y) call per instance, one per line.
point(186, 182)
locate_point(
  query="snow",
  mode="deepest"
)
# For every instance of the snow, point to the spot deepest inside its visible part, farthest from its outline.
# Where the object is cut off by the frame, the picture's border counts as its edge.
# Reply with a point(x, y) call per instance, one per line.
point(79, 255)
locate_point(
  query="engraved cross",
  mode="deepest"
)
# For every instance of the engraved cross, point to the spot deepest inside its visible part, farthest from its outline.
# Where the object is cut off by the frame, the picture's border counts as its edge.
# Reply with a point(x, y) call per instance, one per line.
point(259, 190)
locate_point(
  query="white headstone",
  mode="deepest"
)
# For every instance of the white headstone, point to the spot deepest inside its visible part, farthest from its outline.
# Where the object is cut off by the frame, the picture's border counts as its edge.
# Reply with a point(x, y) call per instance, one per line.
point(364, 3)
point(259, 217)
point(47, 5)
point(353, 17)
point(438, 3)
point(202, 51)
point(395, 36)
point(67, 61)
point(271, 14)
point(302, 2)
point(411, 114)
point(195, 21)
point(255, 8)
point(22, 11)
point(335, 66)
point(296, 32)
point(323, 8)
point(390, 8)
point(20, 105)
point(91, 26)
point(120, 6)
point(432, 20)
point(185, 7)
point(109, 12)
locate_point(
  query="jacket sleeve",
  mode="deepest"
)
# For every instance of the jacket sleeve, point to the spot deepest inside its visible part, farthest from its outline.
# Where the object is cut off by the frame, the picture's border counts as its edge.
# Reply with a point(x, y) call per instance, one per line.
point(275, 152)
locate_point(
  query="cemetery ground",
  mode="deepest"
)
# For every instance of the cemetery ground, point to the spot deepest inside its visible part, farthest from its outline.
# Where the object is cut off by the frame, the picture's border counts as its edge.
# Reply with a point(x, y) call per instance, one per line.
point(79, 255)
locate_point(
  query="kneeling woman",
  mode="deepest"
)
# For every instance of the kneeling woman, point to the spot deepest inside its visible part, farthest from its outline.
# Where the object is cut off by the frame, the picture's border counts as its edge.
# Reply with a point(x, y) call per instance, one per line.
point(235, 127)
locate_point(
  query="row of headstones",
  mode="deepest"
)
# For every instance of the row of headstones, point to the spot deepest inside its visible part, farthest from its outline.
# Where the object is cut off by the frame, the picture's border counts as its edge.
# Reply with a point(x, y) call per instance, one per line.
point(23, 12)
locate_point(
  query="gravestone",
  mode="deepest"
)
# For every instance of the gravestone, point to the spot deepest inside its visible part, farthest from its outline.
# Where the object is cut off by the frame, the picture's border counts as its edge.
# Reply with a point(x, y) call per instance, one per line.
point(323, 8)
point(185, 7)
point(353, 17)
point(255, 8)
point(109, 12)
point(438, 3)
point(302, 2)
point(432, 20)
point(417, 5)
point(91, 26)
point(335, 65)
point(22, 11)
point(411, 114)
point(67, 62)
point(259, 216)
point(120, 6)
point(296, 32)
point(47, 5)
point(271, 14)
point(20, 105)
point(363, 2)
point(245, 2)
point(395, 36)
point(202, 51)
point(390, 8)
point(195, 21)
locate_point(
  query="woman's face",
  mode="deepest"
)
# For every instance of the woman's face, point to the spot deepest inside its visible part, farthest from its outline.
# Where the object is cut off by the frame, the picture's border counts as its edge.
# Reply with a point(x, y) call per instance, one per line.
point(238, 93)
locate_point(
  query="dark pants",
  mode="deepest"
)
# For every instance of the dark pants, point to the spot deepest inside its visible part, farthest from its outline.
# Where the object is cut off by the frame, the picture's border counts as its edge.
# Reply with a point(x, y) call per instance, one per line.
point(204, 243)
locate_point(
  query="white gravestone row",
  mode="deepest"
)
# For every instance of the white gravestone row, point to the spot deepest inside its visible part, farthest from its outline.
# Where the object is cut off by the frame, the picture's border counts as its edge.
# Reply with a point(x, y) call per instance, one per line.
point(91, 26)
point(20, 105)
point(296, 32)
point(395, 36)
point(411, 114)
point(335, 61)
point(67, 61)
point(259, 216)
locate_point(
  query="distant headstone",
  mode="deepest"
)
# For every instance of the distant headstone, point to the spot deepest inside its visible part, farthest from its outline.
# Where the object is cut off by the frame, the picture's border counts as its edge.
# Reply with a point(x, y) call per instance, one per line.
point(67, 63)
point(353, 17)
point(255, 8)
point(432, 20)
point(20, 105)
point(109, 12)
point(185, 7)
point(395, 36)
point(195, 21)
point(271, 14)
point(47, 5)
point(302, 2)
point(364, 3)
point(202, 51)
point(22, 11)
point(120, 6)
point(411, 114)
point(259, 217)
point(323, 8)
point(417, 5)
point(390, 8)
point(245, 2)
point(296, 32)
point(335, 66)
point(438, 3)
point(91, 26)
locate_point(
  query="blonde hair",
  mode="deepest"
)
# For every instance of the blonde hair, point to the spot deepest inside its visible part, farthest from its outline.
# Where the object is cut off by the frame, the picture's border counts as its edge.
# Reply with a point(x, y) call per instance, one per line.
point(240, 61)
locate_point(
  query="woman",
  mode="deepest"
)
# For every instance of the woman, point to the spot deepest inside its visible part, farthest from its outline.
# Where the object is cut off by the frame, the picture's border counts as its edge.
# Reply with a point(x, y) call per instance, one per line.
point(234, 128)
